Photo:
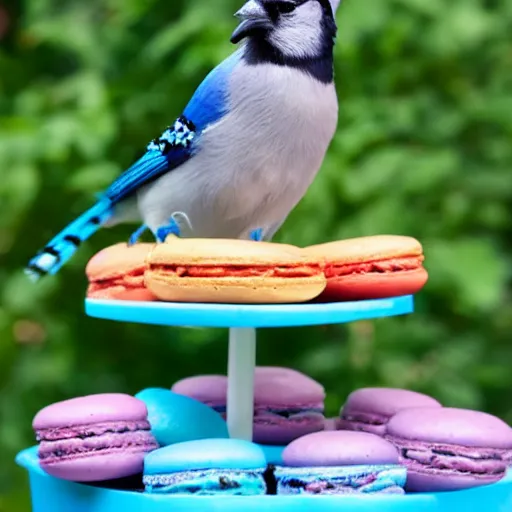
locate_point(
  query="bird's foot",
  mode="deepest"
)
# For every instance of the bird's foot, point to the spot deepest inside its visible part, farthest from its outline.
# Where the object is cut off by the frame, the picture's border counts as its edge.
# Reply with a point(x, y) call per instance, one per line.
point(174, 227)
point(170, 229)
point(256, 235)
point(135, 237)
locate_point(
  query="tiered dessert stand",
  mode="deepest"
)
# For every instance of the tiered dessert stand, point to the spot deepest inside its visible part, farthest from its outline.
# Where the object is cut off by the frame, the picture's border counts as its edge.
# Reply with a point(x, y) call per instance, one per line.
point(50, 494)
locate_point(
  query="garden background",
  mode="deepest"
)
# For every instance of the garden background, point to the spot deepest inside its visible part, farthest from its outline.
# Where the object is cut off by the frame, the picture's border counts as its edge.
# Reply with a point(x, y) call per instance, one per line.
point(424, 148)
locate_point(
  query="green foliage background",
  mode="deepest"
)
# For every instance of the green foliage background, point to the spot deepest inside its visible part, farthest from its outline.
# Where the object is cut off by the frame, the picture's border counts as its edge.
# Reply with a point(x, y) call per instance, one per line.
point(424, 148)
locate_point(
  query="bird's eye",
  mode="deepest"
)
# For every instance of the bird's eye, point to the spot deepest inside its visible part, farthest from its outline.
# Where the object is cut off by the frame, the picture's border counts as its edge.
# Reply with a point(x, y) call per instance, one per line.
point(285, 7)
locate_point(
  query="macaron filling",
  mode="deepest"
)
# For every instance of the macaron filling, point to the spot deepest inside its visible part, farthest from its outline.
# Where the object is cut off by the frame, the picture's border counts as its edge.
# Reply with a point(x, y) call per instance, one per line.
point(133, 280)
point(239, 271)
point(363, 479)
point(363, 419)
point(208, 482)
point(272, 415)
point(57, 444)
point(375, 267)
point(434, 458)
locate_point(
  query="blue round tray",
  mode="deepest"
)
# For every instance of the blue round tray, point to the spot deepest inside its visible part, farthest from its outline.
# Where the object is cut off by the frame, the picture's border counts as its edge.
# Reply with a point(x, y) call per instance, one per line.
point(53, 495)
point(241, 315)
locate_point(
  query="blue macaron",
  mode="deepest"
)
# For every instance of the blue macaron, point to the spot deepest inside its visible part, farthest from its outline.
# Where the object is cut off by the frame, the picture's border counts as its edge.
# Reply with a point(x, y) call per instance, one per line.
point(206, 467)
point(273, 454)
point(176, 418)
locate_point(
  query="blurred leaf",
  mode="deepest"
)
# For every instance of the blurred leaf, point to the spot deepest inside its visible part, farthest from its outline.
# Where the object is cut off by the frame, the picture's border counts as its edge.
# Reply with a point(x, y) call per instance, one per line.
point(471, 270)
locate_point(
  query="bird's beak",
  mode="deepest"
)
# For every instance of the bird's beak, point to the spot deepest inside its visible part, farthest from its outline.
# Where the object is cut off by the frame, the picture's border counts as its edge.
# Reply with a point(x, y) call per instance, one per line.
point(253, 18)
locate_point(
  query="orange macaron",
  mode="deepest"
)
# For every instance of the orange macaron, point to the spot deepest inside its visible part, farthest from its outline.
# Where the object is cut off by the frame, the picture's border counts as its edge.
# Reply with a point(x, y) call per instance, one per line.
point(372, 267)
point(232, 272)
point(117, 272)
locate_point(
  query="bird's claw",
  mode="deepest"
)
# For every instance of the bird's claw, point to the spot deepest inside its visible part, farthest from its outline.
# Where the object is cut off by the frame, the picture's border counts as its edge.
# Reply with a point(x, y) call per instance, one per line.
point(256, 235)
point(171, 229)
point(135, 236)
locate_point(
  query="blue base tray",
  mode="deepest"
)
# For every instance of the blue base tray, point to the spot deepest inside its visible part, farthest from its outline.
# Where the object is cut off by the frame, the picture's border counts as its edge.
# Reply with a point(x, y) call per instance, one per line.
point(53, 495)
point(241, 315)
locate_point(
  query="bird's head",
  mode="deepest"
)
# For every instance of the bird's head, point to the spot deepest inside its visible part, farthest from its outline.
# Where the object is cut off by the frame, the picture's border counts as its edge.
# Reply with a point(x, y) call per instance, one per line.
point(296, 29)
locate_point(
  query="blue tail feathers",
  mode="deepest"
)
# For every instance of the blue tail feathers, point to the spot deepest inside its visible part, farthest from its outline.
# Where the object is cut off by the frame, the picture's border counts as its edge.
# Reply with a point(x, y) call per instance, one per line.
point(62, 247)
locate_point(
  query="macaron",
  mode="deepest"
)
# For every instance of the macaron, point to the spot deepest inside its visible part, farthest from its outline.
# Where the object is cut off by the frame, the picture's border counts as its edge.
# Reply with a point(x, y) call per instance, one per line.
point(94, 438)
point(336, 462)
point(273, 454)
point(206, 467)
point(117, 272)
point(287, 403)
point(211, 390)
point(369, 409)
point(447, 449)
point(176, 418)
point(232, 271)
point(373, 267)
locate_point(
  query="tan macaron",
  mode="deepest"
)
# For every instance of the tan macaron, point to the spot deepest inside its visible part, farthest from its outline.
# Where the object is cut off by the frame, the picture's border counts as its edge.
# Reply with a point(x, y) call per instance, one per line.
point(372, 267)
point(232, 271)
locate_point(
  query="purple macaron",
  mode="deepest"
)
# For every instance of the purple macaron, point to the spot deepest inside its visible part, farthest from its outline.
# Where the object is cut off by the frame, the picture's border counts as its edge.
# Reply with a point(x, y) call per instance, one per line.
point(211, 390)
point(446, 449)
point(340, 462)
point(369, 409)
point(94, 438)
point(287, 403)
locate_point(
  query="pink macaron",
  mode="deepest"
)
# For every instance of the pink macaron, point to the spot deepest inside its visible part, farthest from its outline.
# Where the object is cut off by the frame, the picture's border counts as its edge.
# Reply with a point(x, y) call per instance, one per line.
point(369, 409)
point(447, 449)
point(117, 272)
point(287, 403)
point(211, 390)
point(94, 438)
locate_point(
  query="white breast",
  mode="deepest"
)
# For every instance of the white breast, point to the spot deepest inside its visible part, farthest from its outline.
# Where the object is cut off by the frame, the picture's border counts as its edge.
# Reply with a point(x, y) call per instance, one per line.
point(254, 165)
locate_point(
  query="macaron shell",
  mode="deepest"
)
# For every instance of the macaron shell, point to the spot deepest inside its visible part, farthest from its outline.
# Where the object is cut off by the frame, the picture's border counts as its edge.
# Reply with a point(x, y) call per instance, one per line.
point(94, 468)
point(382, 403)
point(285, 432)
point(273, 453)
point(444, 481)
point(208, 389)
point(276, 386)
point(117, 260)
point(452, 426)
point(121, 293)
point(176, 418)
point(205, 454)
point(253, 290)
point(208, 252)
point(89, 410)
point(369, 248)
point(374, 285)
point(339, 448)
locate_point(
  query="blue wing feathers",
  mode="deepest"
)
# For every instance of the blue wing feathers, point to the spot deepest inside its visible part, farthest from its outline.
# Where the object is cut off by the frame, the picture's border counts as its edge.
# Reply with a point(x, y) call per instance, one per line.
point(163, 154)
point(151, 165)
point(210, 101)
point(175, 146)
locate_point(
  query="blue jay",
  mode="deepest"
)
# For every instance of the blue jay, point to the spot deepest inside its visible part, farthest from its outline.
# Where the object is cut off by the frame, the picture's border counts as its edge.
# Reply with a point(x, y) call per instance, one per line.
point(245, 149)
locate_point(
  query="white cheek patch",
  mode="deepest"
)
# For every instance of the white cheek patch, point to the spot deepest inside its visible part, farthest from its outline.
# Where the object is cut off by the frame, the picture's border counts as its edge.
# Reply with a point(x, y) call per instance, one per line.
point(300, 34)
